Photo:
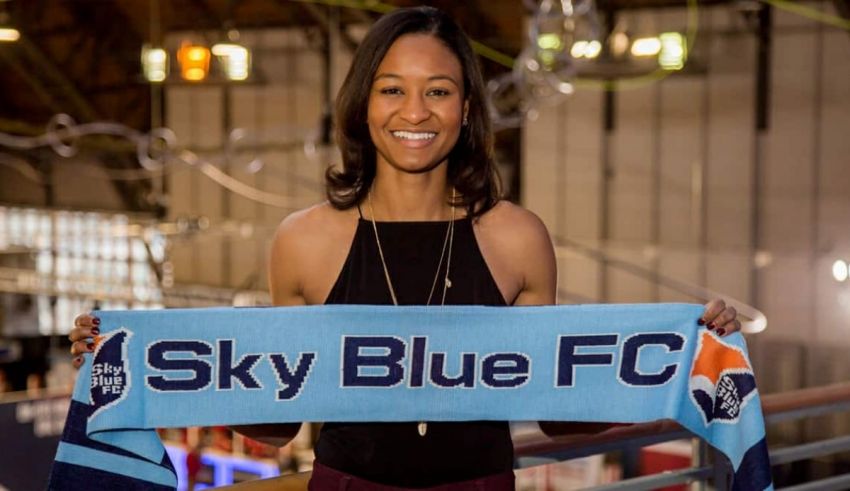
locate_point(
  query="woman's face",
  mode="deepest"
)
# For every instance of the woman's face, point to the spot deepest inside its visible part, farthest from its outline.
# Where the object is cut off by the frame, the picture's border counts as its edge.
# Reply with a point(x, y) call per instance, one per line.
point(416, 104)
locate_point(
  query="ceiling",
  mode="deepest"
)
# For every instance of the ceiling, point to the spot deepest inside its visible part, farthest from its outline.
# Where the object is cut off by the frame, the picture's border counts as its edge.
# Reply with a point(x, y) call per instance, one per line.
point(81, 57)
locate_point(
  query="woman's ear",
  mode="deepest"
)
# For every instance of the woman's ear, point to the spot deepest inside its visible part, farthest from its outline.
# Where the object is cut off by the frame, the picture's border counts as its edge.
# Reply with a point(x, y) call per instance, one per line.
point(466, 112)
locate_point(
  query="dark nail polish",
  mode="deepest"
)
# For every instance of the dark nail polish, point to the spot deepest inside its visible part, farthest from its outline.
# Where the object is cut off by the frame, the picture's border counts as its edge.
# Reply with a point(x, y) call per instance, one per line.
point(701, 322)
point(712, 325)
point(95, 331)
point(90, 346)
point(721, 332)
point(95, 321)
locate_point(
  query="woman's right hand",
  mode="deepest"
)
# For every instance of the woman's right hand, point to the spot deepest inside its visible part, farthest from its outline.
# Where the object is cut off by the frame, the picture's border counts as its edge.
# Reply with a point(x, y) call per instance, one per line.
point(86, 327)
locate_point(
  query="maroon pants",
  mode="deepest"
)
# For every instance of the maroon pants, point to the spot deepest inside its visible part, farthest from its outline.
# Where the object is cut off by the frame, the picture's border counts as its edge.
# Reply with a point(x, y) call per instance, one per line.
point(326, 479)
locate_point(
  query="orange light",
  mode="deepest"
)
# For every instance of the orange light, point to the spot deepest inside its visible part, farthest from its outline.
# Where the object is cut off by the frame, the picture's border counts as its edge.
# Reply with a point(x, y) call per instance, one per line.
point(194, 62)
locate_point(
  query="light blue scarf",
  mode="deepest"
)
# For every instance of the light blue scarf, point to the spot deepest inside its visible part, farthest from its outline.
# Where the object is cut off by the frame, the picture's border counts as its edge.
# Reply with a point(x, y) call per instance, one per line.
point(233, 366)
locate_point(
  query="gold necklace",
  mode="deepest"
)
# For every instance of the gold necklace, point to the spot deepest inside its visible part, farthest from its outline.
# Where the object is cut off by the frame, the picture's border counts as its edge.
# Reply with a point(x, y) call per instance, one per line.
point(422, 427)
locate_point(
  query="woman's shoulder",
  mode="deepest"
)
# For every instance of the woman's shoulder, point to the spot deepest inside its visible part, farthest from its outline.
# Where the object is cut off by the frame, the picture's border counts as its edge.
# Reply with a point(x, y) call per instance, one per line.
point(514, 221)
point(315, 218)
point(315, 224)
point(519, 252)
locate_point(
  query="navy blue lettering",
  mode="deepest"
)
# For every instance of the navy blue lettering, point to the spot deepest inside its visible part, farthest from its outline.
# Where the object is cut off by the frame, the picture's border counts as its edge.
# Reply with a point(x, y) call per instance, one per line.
point(417, 362)
point(631, 350)
point(241, 371)
point(292, 382)
point(504, 370)
point(467, 371)
point(353, 359)
point(568, 358)
point(201, 369)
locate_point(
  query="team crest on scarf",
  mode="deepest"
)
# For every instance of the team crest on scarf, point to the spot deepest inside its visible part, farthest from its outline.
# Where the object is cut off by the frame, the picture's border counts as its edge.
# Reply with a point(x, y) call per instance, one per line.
point(110, 378)
point(721, 381)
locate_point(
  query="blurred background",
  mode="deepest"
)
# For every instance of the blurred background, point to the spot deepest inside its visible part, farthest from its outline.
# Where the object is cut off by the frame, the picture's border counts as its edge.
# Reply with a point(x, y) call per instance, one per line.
point(677, 151)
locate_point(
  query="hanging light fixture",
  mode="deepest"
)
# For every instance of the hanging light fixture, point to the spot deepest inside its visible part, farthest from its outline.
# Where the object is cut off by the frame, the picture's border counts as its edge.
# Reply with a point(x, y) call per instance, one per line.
point(649, 46)
point(562, 32)
point(194, 61)
point(154, 63)
point(586, 49)
point(235, 60)
point(8, 34)
point(673, 52)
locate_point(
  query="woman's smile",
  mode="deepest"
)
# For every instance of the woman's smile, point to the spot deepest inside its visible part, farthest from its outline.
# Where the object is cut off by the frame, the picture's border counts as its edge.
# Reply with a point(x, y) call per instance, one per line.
point(414, 138)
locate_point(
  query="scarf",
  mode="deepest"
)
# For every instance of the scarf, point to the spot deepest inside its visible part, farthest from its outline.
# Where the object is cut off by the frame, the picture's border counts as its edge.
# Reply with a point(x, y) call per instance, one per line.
point(357, 363)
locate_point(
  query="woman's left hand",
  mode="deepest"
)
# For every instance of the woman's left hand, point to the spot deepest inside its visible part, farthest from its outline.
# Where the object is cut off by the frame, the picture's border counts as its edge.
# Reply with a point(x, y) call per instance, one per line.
point(720, 318)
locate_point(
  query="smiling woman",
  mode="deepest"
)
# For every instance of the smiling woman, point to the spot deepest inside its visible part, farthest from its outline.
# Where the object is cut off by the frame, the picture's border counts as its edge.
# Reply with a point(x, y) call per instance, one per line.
point(417, 151)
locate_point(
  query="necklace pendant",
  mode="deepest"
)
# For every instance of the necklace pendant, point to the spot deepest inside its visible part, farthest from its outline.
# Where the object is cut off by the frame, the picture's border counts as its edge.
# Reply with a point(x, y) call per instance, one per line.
point(448, 283)
point(422, 428)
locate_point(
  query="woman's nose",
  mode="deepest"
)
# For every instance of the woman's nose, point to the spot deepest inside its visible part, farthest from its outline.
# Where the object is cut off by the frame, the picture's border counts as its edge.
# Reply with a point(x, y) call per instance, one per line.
point(415, 110)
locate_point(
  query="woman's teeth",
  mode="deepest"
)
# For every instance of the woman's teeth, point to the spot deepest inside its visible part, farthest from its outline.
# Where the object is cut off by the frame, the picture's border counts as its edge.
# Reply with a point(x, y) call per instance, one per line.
point(410, 135)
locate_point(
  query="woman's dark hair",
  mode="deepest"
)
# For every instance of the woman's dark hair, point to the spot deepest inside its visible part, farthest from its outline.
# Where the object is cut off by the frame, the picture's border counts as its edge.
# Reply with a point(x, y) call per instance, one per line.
point(471, 168)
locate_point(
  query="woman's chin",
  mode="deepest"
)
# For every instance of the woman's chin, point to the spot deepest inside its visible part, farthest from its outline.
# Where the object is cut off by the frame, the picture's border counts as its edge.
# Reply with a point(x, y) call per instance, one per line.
point(415, 166)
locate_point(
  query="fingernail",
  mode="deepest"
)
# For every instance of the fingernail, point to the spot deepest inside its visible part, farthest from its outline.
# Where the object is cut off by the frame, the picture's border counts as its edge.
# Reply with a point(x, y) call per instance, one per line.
point(90, 346)
point(95, 331)
point(95, 321)
point(721, 331)
point(701, 321)
point(712, 325)
point(78, 359)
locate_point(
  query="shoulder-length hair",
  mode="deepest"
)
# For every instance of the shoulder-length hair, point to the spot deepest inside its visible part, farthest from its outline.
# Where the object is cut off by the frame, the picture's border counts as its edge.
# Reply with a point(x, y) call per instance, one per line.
point(471, 167)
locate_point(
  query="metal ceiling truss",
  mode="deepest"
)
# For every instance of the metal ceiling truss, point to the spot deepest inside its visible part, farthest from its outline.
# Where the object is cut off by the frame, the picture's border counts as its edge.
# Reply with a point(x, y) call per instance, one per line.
point(102, 60)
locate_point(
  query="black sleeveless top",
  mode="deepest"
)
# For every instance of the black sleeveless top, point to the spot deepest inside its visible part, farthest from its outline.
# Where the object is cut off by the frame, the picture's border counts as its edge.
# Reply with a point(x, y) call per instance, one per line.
point(394, 453)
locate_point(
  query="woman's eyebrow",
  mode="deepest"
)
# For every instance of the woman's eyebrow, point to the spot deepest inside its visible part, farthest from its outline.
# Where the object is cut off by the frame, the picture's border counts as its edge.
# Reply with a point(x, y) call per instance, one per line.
point(431, 78)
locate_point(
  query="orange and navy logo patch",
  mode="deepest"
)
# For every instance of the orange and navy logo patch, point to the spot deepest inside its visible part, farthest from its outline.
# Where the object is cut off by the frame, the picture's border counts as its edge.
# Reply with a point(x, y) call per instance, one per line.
point(721, 381)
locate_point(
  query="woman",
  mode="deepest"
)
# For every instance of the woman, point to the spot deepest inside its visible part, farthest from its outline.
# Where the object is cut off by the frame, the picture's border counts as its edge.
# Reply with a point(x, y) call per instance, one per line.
point(413, 217)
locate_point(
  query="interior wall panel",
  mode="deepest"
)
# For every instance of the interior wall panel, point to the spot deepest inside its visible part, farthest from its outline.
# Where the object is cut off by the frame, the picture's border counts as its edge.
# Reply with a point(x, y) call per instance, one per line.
point(624, 286)
point(680, 161)
point(631, 159)
point(539, 164)
point(726, 272)
point(180, 181)
point(788, 144)
point(241, 242)
point(582, 164)
point(730, 133)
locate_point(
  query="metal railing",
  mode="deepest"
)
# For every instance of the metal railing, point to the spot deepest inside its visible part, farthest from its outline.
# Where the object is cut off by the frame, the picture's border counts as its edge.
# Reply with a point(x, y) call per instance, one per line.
point(792, 405)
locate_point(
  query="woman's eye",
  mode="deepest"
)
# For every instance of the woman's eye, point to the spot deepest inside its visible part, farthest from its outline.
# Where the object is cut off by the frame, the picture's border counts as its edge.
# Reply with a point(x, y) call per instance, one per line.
point(390, 91)
point(438, 92)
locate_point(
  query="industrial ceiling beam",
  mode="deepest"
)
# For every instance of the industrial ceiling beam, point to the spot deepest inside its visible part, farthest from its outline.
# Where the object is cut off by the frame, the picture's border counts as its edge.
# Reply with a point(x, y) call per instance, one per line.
point(208, 13)
point(57, 80)
point(41, 91)
point(324, 23)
